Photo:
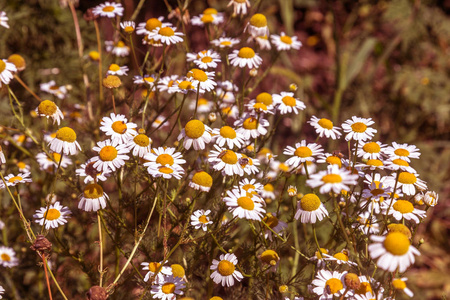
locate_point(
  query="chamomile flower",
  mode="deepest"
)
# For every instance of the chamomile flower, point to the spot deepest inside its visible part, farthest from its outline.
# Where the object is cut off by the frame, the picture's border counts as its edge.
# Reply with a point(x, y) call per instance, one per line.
point(250, 165)
point(92, 174)
point(431, 198)
point(341, 258)
point(267, 191)
point(148, 80)
point(275, 224)
point(12, 180)
point(49, 109)
point(166, 35)
point(263, 42)
point(209, 16)
point(371, 150)
point(118, 49)
point(160, 122)
point(243, 57)
point(53, 89)
point(200, 219)
point(93, 198)
point(184, 86)
point(118, 128)
point(151, 24)
point(108, 9)
point(403, 209)
point(8, 257)
point(257, 26)
point(229, 111)
point(251, 127)
point(201, 78)
point(65, 142)
point(165, 163)
point(376, 191)
point(333, 179)
point(407, 181)
point(225, 42)
point(6, 71)
point(310, 209)
point(257, 108)
point(201, 181)
point(166, 82)
point(208, 59)
point(286, 103)
point(115, 69)
point(285, 42)
point(302, 152)
point(328, 285)
point(330, 159)
point(168, 288)
point(371, 164)
point(402, 151)
point(203, 105)
point(140, 144)
point(195, 134)
point(4, 19)
point(239, 6)
point(367, 223)
point(53, 217)
point(250, 186)
point(325, 127)
point(400, 285)
point(244, 205)
point(128, 26)
point(393, 251)
point(319, 257)
point(156, 270)
point(50, 163)
point(358, 129)
point(23, 167)
point(226, 161)
point(395, 164)
point(270, 259)
point(225, 272)
point(111, 155)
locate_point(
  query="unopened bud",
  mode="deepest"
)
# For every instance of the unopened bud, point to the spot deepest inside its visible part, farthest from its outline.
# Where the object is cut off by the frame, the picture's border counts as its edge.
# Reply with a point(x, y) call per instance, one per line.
point(253, 72)
point(293, 87)
point(283, 288)
point(212, 117)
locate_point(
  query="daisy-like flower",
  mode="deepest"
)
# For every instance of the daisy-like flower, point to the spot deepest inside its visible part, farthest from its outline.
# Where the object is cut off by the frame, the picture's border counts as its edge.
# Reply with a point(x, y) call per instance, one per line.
point(398, 164)
point(239, 6)
point(50, 163)
point(286, 103)
point(330, 159)
point(292, 191)
point(201, 181)
point(201, 78)
point(151, 24)
point(65, 142)
point(367, 223)
point(270, 258)
point(93, 198)
point(128, 26)
point(227, 135)
point(250, 127)
point(6, 71)
point(184, 86)
point(156, 270)
point(225, 270)
point(371, 150)
point(333, 179)
point(119, 49)
point(358, 129)
point(55, 215)
point(140, 144)
point(146, 79)
point(244, 205)
point(12, 180)
point(49, 109)
point(165, 83)
point(245, 56)
point(285, 42)
point(275, 224)
point(402, 151)
point(267, 191)
point(302, 152)
point(209, 16)
point(258, 108)
point(250, 186)
point(111, 155)
point(310, 209)
point(263, 42)
point(431, 198)
point(196, 134)
point(393, 251)
point(166, 35)
point(8, 257)
point(206, 60)
point(225, 42)
point(325, 127)
point(3, 19)
point(168, 288)
point(403, 209)
point(229, 111)
point(115, 69)
point(53, 89)
point(158, 123)
point(340, 258)
point(108, 9)
point(164, 162)
point(200, 219)
point(250, 165)
point(327, 284)
point(257, 26)
point(23, 167)
point(226, 161)
point(118, 128)
point(203, 105)
point(87, 170)
point(400, 285)
point(407, 181)
point(376, 189)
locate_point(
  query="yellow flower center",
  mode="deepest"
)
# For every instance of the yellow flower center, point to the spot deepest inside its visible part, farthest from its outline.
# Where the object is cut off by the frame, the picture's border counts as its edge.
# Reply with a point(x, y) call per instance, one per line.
point(246, 203)
point(250, 123)
point(407, 178)
point(94, 55)
point(47, 108)
point(310, 202)
point(129, 29)
point(303, 152)
point(371, 147)
point(207, 18)
point(108, 153)
point(119, 127)
point(341, 256)
point(286, 39)
point(210, 11)
point(165, 159)
point(114, 67)
point(14, 179)
point(248, 186)
point(334, 160)
point(206, 59)
point(202, 101)
point(185, 85)
point(401, 162)
point(5, 257)
point(194, 129)
point(108, 8)
point(165, 170)
point(20, 164)
point(178, 270)
point(334, 285)
point(202, 178)
point(283, 167)
point(397, 243)
point(374, 162)
point(197, 75)
point(153, 266)
point(401, 152)
point(269, 187)
point(325, 123)
point(168, 288)
point(93, 191)
point(332, 178)
point(289, 101)
point(149, 79)
point(66, 134)
point(227, 132)
point(141, 140)
point(271, 220)
point(2, 65)
point(260, 106)
point(399, 284)
point(152, 23)
point(120, 44)
point(203, 219)
point(225, 268)
point(166, 31)
point(228, 157)
point(269, 255)
point(258, 20)
point(225, 43)
point(52, 214)
point(364, 288)
point(403, 206)
point(323, 250)
point(246, 52)
point(359, 127)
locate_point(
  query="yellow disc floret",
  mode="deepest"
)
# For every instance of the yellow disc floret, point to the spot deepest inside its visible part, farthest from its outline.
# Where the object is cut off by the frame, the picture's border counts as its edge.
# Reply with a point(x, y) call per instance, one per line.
point(246, 203)
point(152, 23)
point(93, 191)
point(194, 129)
point(66, 134)
point(227, 132)
point(229, 157)
point(168, 288)
point(141, 140)
point(203, 179)
point(52, 214)
point(310, 202)
point(325, 123)
point(286, 39)
point(246, 52)
point(403, 206)
point(359, 127)
point(289, 101)
point(108, 153)
point(303, 152)
point(225, 268)
point(265, 98)
point(178, 270)
point(371, 147)
point(334, 285)
point(166, 31)
point(165, 159)
point(258, 20)
point(119, 127)
point(197, 74)
point(397, 243)
point(47, 108)
point(332, 178)
point(407, 178)
point(250, 123)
